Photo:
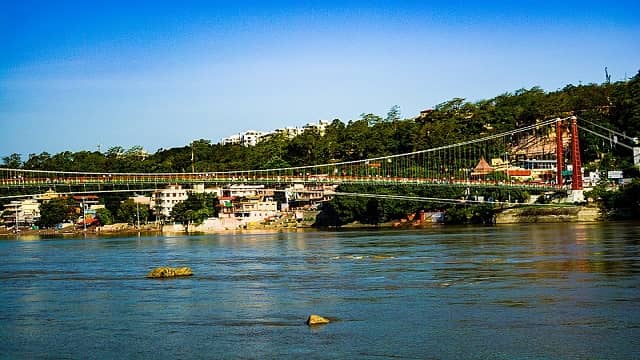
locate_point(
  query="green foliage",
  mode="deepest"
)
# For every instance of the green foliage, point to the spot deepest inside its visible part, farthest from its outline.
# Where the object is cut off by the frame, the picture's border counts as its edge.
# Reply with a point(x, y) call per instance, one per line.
point(621, 204)
point(547, 211)
point(346, 209)
point(482, 214)
point(130, 212)
point(105, 216)
point(12, 161)
point(56, 211)
point(455, 215)
point(195, 209)
point(394, 114)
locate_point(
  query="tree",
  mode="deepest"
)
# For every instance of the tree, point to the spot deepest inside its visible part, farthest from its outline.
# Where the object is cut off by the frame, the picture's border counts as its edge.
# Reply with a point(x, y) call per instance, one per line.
point(393, 115)
point(622, 204)
point(456, 215)
point(115, 151)
point(38, 161)
point(87, 161)
point(196, 208)
point(12, 161)
point(371, 119)
point(105, 216)
point(181, 213)
point(56, 211)
point(131, 212)
point(135, 151)
point(276, 162)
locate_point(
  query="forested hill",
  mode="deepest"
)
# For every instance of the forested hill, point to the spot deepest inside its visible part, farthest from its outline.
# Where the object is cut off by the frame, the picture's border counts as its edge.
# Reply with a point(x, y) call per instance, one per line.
point(614, 105)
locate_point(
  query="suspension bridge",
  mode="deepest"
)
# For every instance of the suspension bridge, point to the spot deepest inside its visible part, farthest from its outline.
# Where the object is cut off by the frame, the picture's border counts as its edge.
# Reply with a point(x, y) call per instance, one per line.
point(543, 156)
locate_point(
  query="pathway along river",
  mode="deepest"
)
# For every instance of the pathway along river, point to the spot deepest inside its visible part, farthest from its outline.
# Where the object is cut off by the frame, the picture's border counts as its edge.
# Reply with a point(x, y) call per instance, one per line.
point(506, 292)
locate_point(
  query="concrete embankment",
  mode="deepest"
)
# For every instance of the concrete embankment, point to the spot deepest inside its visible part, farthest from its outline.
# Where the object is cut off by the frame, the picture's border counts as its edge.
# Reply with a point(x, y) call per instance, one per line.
point(286, 221)
point(110, 230)
point(549, 215)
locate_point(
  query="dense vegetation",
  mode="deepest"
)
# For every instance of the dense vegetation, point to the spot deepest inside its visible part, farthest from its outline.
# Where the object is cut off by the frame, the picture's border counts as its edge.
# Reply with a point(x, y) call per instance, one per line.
point(195, 209)
point(613, 105)
point(620, 204)
point(344, 210)
point(57, 211)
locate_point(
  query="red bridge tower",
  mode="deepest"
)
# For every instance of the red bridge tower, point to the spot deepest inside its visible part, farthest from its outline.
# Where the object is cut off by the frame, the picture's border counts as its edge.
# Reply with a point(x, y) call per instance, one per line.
point(576, 164)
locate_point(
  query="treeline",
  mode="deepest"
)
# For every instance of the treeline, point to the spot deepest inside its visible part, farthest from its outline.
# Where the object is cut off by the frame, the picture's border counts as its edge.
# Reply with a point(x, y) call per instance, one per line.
point(622, 204)
point(118, 208)
point(613, 105)
point(60, 210)
point(373, 211)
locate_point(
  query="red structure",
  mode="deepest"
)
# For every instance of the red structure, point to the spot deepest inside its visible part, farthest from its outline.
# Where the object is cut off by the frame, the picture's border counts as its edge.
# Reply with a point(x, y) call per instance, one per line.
point(576, 176)
point(559, 153)
point(576, 164)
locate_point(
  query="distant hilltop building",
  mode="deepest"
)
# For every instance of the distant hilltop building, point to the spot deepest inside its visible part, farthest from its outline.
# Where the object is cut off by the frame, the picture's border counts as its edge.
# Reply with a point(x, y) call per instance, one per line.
point(253, 137)
point(424, 115)
point(231, 140)
point(288, 132)
point(320, 127)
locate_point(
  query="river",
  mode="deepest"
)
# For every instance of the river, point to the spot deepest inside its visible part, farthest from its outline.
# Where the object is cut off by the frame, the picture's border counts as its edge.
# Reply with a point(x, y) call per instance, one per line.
point(560, 291)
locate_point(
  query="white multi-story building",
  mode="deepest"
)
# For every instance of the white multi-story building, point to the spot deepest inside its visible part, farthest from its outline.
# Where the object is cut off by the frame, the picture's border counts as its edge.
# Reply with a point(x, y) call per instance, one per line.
point(256, 209)
point(201, 189)
point(320, 126)
point(25, 212)
point(231, 140)
point(250, 137)
point(164, 200)
point(289, 132)
point(253, 137)
point(247, 138)
point(244, 190)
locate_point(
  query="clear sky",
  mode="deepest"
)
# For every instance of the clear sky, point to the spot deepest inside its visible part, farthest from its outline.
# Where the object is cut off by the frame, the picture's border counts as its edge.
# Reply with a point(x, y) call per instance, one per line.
point(78, 74)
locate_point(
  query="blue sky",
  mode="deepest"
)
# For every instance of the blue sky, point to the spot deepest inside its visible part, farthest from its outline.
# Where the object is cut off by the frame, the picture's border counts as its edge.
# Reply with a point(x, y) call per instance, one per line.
point(78, 74)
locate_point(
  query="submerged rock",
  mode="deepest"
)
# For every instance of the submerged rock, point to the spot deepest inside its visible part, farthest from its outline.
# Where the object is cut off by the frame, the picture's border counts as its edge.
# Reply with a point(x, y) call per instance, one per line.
point(166, 272)
point(316, 320)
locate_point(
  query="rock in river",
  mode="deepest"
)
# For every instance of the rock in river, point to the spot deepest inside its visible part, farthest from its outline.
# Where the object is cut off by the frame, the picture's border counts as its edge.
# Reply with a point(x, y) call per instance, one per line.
point(165, 272)
point(316, 320)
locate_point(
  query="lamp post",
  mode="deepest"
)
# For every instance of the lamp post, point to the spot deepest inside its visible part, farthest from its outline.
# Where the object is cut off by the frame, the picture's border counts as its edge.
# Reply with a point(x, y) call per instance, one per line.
point(137, 209)
point(16, 225)
point(193, 169)
point(84, 215)
point(506, 157)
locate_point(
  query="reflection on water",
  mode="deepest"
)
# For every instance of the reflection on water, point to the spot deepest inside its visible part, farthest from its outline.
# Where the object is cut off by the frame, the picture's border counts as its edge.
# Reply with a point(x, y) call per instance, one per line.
point(533, 291)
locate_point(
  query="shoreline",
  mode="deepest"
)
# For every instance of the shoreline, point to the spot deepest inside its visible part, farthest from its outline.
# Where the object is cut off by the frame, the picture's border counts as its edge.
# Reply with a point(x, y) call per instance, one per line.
point(157, 230)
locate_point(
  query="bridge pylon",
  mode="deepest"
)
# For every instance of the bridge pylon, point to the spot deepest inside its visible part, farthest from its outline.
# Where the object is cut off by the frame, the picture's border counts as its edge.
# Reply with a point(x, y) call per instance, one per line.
point(576, 163)
point(559, 153)
point(576, 176)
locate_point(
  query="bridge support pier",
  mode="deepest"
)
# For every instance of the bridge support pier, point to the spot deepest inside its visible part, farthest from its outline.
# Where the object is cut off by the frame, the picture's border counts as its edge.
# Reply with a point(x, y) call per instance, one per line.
point(575, 196)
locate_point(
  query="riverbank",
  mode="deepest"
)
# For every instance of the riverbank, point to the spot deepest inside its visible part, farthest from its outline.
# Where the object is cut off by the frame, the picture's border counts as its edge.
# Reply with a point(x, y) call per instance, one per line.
point(508, 216)
point(285, 223)
point(551, 214)
point(119, 230)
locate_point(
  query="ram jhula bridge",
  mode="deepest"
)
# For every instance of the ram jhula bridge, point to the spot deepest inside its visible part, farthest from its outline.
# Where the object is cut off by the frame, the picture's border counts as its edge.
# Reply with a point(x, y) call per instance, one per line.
point(533, 157)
